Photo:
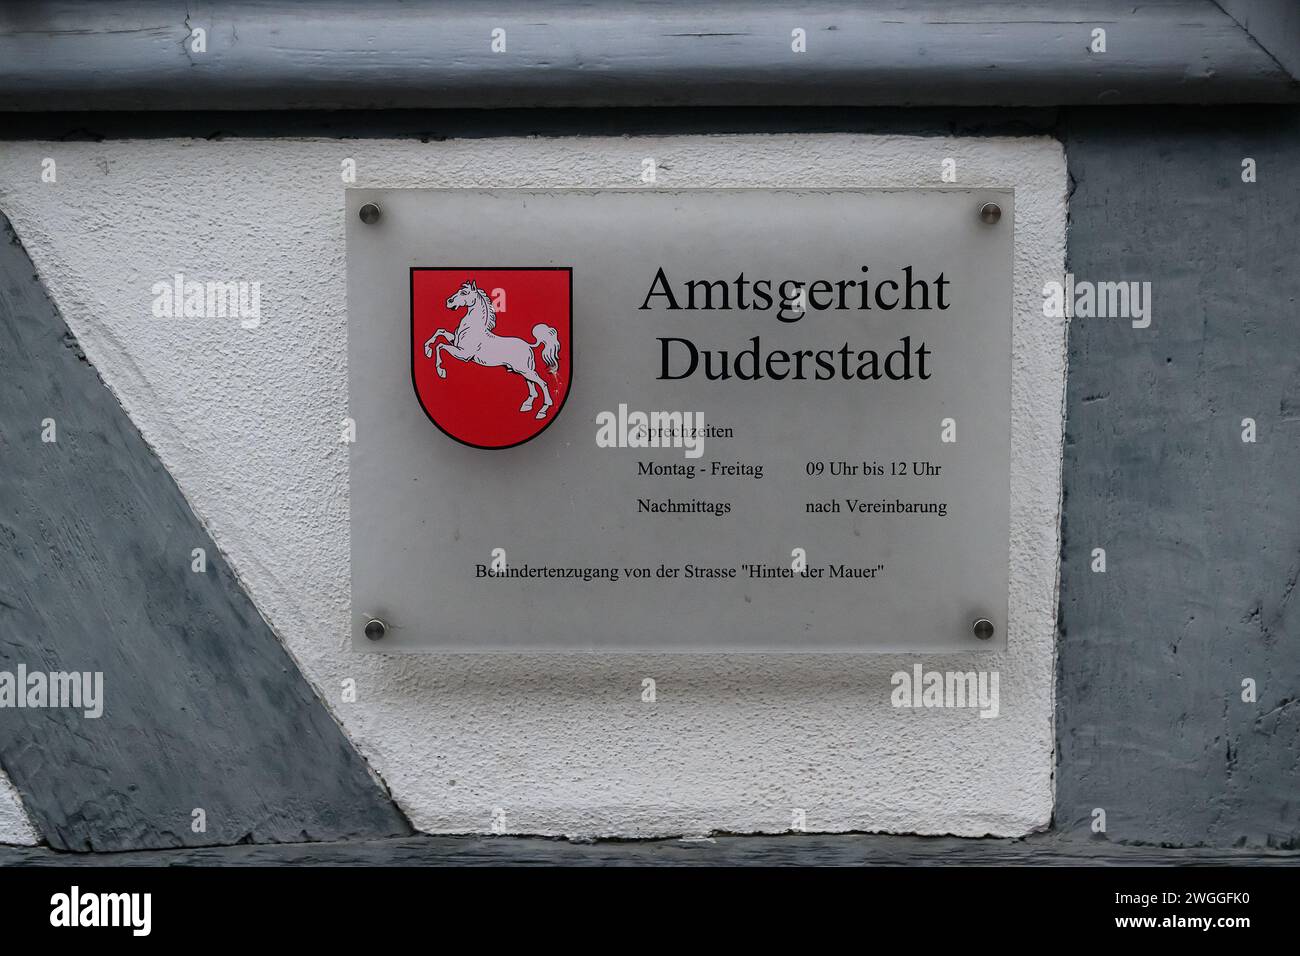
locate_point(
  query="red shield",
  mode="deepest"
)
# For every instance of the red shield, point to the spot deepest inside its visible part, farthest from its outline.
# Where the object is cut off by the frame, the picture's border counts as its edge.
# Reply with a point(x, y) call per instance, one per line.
point(491, 350)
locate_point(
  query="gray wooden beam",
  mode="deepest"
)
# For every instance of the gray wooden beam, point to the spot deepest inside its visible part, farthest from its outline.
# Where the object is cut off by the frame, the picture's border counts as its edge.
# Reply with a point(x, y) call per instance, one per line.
point(138, 54)
point(1151, 724)
point(1274, 25)
point(847, 849)
point(202, 707)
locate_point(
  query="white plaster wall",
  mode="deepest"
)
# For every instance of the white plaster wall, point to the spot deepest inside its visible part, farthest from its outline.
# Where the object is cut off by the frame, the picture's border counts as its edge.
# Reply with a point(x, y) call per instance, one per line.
point(248, 422)
point(14, 825)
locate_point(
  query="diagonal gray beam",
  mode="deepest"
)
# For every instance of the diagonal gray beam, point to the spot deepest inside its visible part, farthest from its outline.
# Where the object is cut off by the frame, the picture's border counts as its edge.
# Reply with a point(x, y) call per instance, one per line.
point(325, 54)
point(202, 706)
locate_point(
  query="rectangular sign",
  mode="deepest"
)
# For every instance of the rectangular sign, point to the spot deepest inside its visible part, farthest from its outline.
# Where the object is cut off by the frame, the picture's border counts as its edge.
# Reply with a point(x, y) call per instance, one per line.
point(700, 420)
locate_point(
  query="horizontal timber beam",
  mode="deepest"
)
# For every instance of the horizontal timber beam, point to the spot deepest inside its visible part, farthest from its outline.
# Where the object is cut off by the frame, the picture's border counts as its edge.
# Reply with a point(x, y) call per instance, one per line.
point(323, 54)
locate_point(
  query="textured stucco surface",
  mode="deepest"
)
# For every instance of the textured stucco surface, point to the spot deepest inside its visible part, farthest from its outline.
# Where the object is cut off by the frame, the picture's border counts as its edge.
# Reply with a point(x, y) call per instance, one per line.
point(248, 421)
point(14, 825)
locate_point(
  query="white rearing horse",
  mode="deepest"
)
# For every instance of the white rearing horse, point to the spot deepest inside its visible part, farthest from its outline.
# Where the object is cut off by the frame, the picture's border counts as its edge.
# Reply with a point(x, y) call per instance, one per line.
point(475, 342)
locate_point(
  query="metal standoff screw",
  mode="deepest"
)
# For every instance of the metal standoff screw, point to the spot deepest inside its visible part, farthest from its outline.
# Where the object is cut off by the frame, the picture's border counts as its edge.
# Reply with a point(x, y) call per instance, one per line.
point(376, 629)
point(370, 214)
point(990, 212)
point(983, 628)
